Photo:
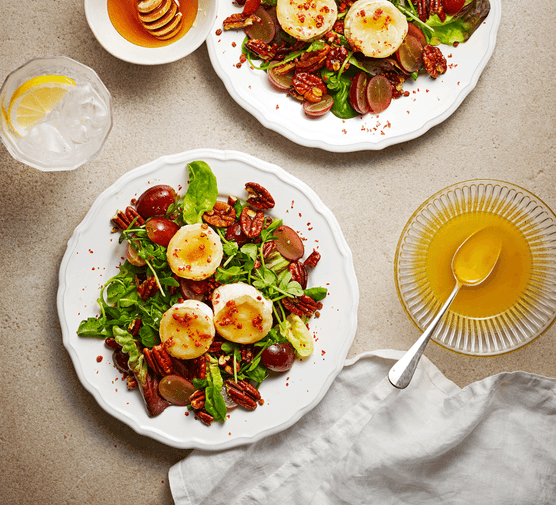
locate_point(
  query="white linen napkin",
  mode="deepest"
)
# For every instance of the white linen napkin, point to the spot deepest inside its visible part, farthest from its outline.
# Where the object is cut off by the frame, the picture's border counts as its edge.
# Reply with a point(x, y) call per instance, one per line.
point(493, 442)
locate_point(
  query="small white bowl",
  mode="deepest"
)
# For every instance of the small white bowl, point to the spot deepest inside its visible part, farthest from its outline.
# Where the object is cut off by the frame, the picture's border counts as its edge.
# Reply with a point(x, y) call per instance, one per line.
point(96, 12)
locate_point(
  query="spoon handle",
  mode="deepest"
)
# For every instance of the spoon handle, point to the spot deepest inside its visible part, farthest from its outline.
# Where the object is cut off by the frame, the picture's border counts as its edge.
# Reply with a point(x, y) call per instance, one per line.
point(401, 373)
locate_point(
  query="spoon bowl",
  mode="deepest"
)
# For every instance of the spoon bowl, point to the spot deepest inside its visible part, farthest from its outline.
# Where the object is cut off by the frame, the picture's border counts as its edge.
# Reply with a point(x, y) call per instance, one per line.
point(472, 264)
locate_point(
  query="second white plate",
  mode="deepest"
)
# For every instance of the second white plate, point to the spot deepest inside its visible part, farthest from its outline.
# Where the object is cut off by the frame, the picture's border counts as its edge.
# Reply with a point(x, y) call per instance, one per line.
point(430, 101)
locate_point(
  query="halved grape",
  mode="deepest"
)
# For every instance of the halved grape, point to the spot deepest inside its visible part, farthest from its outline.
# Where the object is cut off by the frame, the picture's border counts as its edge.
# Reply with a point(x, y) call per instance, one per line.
point(318, 109)
point(161, 230)
point(410, 54)
point(358, 93)
point(288, 243)
point(155, 201)
point(279, 82)
point(265, 30)
point(230, 404)
point(176, 389)
point(416, 32)
point(379, 94)
point(235, 233)
point(187, 293)
point(132, 256)
point(278, 357)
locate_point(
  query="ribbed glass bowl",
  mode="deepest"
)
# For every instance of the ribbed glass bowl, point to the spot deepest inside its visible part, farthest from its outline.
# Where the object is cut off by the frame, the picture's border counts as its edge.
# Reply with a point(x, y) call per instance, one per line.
point(529, 317)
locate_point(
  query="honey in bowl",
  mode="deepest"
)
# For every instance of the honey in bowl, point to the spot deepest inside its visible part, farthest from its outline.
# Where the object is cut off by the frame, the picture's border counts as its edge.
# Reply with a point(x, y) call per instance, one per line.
point(503, 287)
point(152, 23)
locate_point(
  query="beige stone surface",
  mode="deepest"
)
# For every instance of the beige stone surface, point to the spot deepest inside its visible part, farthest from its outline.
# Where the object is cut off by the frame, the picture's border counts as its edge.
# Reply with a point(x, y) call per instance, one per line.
point(56, 444)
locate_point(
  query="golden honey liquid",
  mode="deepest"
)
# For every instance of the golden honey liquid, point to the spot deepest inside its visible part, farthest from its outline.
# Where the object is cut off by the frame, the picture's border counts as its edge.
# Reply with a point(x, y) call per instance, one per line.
point(123, 15)
point(503, 287)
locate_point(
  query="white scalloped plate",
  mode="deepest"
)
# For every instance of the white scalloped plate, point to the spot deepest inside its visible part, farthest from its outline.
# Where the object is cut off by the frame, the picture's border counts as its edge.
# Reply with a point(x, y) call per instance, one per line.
point(93, 254)
point(430, 102)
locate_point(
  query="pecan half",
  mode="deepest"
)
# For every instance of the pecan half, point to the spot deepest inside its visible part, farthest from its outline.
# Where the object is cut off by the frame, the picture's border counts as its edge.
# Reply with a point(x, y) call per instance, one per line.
point(197, 399)
point(252, 222)
point(309, 86)
point(396, 80)
point(240, 20)
point(434, 61)
point(259, 197)
point(299, 273)
point(243, 393)
point(222, 215)
point(301, 306)
point(284, 68)
point(312, 259)
point(311, 61)
point(204, 417)
point(158, 359)
point(133, 328)
point(263, 50)
point(147, 288)
point(336, 57)
point(123, 219)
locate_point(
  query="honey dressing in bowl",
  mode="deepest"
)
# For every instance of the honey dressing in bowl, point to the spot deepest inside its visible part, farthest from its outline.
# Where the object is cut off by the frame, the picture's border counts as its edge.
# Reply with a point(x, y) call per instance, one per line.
point(509, 278)
point(152, 23)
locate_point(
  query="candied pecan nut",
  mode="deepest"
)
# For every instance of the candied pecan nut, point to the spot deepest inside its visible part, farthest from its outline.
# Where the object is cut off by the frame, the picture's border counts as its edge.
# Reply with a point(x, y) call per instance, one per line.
point(197, 399)
point(309, 86)
point(284, 68)
point(222, 215)
point(204, 417)
point(111, 342)
point(301, 306)
point(263, 50)
point(151, 361)
point(438, 8)
point(240, 20)
point(259, 197)
point(312, 259)
point(336, 57)
point(268, 247)
point(434, 61)
point(311, 61)
point(133, 328)
point(299, 273)
point(147, 288)
point(339, 26)
point(123, 219)
point(396, 80)
point(246, 351)
point(163, 359)
point(243, 393)
point(252, 222)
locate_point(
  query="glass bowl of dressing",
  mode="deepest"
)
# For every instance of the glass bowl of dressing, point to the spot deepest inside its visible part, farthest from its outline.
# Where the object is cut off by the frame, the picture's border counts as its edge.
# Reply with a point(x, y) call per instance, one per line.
point(516, 304)
point(150, 32)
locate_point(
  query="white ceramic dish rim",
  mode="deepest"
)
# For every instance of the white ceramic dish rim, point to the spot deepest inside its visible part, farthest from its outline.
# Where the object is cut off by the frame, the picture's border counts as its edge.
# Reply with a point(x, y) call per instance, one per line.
point(407, 120)
point(245, 427)
point(96, 12)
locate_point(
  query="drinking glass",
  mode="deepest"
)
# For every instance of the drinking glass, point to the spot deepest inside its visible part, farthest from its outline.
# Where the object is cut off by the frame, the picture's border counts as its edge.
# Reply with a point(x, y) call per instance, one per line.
point(73, 131)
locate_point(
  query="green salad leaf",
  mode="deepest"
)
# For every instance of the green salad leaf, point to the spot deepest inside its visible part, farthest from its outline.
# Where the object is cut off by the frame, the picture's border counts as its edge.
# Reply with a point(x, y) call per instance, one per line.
point(201, 194)
point(136, 361)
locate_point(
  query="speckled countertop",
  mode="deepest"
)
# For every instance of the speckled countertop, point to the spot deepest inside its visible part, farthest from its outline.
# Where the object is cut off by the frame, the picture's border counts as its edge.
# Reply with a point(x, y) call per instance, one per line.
point(57, 445)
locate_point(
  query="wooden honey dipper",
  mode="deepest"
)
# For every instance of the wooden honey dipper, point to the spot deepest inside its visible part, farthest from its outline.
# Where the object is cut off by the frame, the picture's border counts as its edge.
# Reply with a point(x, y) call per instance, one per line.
point(161, 18)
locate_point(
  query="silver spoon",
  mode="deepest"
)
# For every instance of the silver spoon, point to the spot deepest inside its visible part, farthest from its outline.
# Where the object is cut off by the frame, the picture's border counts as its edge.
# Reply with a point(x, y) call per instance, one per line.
point(472, 263)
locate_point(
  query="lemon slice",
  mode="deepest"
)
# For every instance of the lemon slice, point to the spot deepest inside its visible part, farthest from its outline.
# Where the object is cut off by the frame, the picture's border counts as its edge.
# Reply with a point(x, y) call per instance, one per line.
point(34, 99)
